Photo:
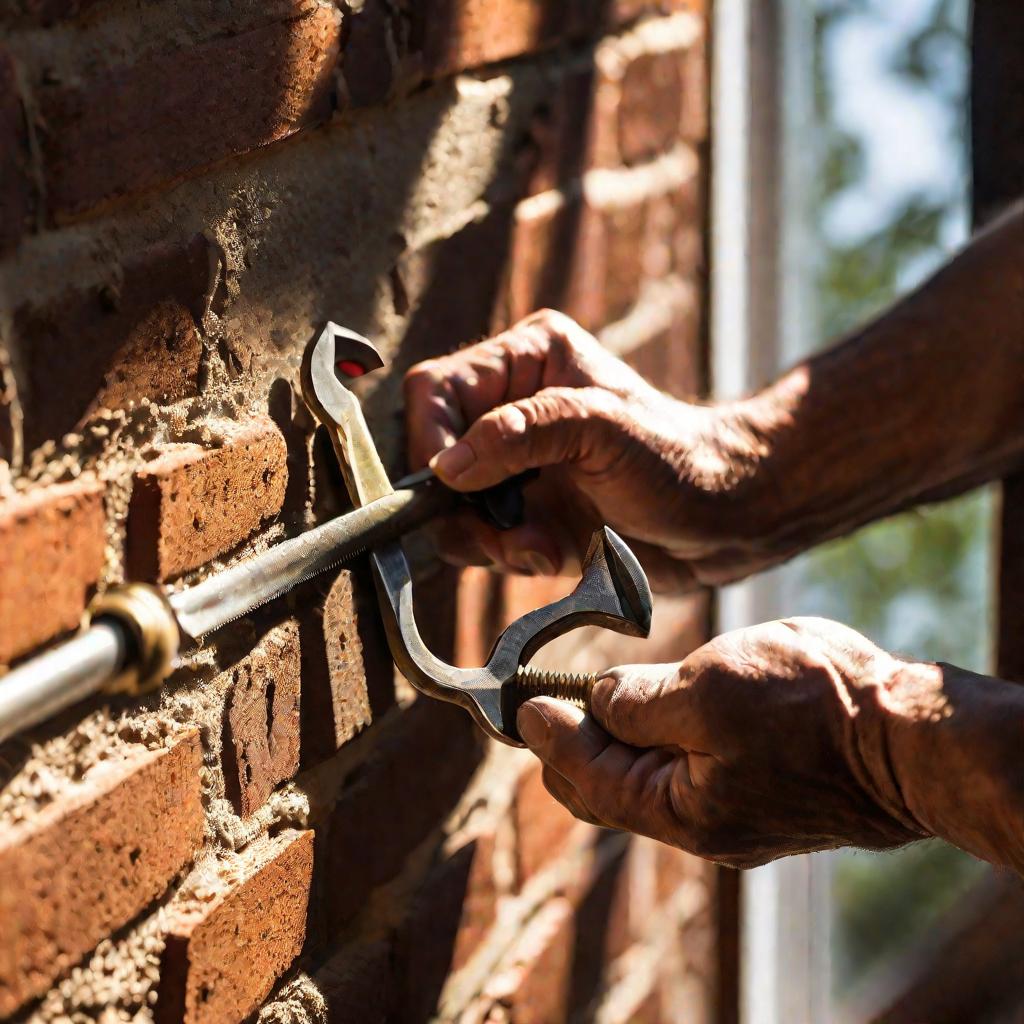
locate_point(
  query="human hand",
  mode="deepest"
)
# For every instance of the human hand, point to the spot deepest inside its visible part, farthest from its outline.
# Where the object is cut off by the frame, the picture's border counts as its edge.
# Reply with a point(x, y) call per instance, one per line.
point(673, 478)
point(765, 742)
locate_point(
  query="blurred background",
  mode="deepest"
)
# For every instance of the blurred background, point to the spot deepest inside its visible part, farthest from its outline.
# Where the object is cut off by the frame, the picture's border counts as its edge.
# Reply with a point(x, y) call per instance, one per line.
point(891, 203)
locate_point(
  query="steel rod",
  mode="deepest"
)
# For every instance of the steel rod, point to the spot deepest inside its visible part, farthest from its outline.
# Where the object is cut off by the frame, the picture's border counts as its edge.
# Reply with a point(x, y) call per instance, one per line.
point(53, 681)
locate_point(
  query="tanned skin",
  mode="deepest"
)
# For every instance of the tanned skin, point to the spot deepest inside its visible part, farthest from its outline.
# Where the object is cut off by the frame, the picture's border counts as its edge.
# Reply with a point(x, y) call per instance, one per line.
point(791, 736)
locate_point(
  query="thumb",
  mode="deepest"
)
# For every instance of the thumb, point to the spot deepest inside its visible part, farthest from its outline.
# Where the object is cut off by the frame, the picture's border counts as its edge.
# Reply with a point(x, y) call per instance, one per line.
point(646, 706)
point(546, 429)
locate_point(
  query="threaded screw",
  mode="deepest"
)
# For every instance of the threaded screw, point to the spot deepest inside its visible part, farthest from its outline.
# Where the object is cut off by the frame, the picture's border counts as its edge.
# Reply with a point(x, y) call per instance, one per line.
point(574, 687)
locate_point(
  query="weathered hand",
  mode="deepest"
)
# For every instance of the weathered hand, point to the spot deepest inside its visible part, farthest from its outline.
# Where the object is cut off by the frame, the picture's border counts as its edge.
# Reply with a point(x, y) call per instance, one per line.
point(765, 742)
point(667, 475)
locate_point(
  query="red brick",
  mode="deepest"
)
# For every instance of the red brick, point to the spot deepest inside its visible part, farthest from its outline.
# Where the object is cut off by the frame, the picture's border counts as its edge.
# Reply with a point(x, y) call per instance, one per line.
point(695, 93)
point(455, 909)
point(543, 826)
point(87, 863)
point(261, 724)
point(536, 986)
point(666, 349)
point(134, 338)
point(453, 35)
point(650, 106)
point(131, 128)
point(348, 675)
point(16, 191)
point(191, 504)
point(402, 795)
point(52, 542)
point(229, 943)
point(357, 984)
point(568, 133)
point(577, 255)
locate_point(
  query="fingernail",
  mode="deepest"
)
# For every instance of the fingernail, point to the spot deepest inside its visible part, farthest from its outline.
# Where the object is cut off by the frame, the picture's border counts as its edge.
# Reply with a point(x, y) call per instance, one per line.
point(453, 462)
point(533, 727)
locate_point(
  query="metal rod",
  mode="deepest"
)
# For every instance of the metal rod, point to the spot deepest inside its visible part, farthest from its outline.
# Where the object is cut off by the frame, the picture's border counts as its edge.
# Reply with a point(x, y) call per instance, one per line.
point(91, 661)
point(60, 677)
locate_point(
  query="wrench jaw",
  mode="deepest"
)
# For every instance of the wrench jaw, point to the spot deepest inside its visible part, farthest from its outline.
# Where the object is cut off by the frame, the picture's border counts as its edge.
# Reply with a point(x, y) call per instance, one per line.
point(336, 357)
point(612, 593)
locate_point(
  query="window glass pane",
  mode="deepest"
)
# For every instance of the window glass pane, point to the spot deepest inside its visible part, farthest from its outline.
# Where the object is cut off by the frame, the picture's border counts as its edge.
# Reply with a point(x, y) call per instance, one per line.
point(891, 80)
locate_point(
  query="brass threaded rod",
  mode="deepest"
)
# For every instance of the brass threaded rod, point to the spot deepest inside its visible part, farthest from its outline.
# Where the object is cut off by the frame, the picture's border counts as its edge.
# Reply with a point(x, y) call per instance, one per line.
point(574, 687)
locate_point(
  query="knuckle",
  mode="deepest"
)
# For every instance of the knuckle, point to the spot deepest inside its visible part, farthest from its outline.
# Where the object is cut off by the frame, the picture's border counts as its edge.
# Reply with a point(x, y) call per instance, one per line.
point(505, 426)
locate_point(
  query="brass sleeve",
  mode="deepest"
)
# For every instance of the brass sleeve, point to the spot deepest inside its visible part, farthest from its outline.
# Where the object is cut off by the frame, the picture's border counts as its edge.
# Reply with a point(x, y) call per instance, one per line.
point(145, 613)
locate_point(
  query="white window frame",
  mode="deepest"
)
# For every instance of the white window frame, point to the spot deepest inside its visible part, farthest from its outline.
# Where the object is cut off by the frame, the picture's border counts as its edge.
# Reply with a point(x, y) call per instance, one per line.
point(761, 313)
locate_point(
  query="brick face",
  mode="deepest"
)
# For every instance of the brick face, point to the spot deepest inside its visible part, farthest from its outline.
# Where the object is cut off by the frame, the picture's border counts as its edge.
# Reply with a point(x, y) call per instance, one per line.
point(261, 724)
point(134, 127)
point(346, 666)
point(286, 831)
point(188, 506)
point(91, 860)
point(52, 543)
point(377, 824)
point(226, 947)
point(133, 337)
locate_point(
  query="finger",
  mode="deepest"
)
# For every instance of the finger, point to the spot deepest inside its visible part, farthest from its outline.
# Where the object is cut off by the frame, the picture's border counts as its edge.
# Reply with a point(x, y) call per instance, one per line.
point(444, 395)
point(651, 706)
point(565, 793)
point(621, 786)
point(556, 426)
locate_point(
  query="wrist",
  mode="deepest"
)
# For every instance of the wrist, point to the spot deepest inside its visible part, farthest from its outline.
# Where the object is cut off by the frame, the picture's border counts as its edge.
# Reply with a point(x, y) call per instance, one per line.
point(953, 742)
point(883, 711)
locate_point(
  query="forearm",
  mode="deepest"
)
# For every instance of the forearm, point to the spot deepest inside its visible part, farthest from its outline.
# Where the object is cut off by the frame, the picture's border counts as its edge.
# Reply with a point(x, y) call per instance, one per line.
point(925, 402)
point(950, 744)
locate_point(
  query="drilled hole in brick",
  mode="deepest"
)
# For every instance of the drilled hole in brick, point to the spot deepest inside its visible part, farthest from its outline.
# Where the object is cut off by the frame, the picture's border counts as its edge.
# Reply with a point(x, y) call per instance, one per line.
point(270, 709)
point(134, 855)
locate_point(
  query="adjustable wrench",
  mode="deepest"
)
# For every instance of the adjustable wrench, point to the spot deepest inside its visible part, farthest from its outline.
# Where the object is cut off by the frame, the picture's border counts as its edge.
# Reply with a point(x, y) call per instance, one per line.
point(613, 591)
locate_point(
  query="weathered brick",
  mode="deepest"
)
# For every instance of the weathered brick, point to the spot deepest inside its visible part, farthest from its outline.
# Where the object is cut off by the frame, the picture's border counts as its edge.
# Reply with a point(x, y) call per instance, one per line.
point(191, 503)
point(577, 254)
point(261, 721)
point(16, 191)
point(453, 35)
point(228, 943)
point(455, 908)
point(543, 826)
point(52, 542)
point(401, 797)
point(357, 984)
point(130, 128)
point(650, 106)
point(695, 93)
point(87, 863)
point(536, 985)
point(135, 337)
point(348, 675)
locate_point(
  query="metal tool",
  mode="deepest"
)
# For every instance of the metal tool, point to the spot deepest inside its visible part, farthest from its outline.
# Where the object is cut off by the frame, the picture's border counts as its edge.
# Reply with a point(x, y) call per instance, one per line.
point(132, 634)
point(612, 593)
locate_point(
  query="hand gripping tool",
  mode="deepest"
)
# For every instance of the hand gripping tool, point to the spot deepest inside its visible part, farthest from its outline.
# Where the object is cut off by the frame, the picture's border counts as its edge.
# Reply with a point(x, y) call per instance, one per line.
point(613, 591)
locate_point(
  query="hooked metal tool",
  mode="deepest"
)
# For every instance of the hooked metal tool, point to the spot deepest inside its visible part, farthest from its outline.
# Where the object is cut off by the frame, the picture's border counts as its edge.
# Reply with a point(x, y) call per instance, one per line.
point(132, 634)
point(613, 591)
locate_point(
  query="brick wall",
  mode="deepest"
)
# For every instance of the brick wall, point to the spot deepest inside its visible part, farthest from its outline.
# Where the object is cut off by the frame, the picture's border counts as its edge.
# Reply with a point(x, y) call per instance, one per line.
point(187, 191)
